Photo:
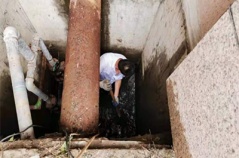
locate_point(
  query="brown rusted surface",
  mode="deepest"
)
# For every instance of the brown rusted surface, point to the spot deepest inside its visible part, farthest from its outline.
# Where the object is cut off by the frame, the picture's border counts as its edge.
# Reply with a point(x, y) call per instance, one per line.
point(80, 101)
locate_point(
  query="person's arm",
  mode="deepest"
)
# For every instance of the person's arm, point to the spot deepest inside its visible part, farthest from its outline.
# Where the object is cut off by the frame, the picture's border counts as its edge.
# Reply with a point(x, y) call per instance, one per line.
point(117, 88)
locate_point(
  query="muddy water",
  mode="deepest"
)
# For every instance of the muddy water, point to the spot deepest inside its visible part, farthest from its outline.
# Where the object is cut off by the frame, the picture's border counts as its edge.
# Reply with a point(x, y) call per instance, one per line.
point(110, 124)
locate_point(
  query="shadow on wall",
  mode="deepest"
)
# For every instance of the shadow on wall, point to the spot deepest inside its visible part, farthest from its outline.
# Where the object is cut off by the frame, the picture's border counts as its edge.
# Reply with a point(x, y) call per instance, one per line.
point(152, 104)
point(8, 116)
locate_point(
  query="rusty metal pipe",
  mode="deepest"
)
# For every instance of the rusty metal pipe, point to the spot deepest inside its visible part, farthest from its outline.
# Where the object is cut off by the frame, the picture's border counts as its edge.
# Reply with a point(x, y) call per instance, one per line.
point(80, 101)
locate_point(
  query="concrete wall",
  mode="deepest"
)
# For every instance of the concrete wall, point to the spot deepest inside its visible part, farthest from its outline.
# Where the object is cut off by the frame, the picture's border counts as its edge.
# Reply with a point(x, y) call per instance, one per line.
point(49, 19)
point(164, 46)
point(126, 25)
point(201, 15)
point(204, 94)
point(30, 18)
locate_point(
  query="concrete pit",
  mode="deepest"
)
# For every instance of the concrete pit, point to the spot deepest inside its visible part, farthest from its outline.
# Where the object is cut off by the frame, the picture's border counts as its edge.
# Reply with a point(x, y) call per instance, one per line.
point(133, 115)
point(156, 34)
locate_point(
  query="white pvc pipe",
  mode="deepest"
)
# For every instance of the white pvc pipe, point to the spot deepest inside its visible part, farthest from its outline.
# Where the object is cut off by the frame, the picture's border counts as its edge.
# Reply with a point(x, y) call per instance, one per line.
point(47, 53)
point(25, 50)
point(19, 89)
point(32, 88)
point(31, 58)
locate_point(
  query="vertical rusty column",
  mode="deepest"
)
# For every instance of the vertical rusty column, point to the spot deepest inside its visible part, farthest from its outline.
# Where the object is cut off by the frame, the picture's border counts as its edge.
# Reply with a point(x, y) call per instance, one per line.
point(80, 100)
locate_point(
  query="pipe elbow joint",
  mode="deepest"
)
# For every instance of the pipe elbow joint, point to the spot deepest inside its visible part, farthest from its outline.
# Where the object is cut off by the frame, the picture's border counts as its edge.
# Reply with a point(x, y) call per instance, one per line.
point(29, 84)
point(32, 88)
point(10, 32)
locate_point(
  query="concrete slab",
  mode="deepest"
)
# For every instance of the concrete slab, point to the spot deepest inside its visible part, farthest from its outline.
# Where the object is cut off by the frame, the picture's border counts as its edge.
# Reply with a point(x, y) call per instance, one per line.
point(235, 14)
point(204, 96)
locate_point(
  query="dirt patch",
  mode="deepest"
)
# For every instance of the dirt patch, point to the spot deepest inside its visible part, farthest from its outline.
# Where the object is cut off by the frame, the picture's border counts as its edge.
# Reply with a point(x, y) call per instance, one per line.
point(100, 147)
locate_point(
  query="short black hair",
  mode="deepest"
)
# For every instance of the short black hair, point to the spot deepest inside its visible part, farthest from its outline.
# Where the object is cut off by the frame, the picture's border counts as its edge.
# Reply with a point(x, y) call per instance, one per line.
point(126, 67)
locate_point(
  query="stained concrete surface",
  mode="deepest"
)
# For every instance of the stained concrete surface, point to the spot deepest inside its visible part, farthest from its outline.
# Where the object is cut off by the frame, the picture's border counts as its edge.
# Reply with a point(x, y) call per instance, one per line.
point(164, 46)
point(45, 19)
point(203, 96)
point(126, 25)
point(201, 15)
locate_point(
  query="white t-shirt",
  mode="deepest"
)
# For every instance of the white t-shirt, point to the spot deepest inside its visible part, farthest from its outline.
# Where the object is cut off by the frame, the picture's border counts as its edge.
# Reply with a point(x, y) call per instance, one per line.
point(107, 67)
